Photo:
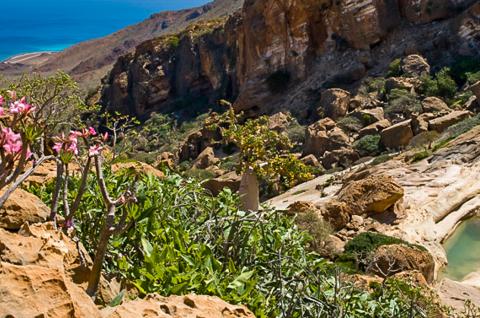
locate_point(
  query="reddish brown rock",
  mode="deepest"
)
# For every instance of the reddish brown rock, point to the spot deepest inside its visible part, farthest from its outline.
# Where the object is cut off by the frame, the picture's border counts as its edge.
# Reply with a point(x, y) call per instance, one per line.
point(334, 103)
point(205, 159)
point(374, 128)
point(398, 135)
point(434, 104)
point(139, 167)
point(230, 180)
point(404, 258)
point(323, 136)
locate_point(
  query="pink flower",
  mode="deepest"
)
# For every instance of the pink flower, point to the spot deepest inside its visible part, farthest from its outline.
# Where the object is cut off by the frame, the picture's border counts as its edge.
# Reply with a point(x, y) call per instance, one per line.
point(105, 136)
point(92, 131)
point(95, 150)
point(2, 111)
point(2, 100)
point(12, 143)
point(21, 107)
point(73, 148)
point(58, 147)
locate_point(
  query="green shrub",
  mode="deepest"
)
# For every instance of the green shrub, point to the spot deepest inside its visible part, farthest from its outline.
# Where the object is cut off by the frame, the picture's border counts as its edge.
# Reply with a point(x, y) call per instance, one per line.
point(314, 225)
point(367, 242)
point(402, 102)
point(466, 69)
point(350, 124)
point(278, 81)
point(199, 174)
point(395, 68)
point(368, 145)
point(442, 85)
point(460, 128)
point(422, 154)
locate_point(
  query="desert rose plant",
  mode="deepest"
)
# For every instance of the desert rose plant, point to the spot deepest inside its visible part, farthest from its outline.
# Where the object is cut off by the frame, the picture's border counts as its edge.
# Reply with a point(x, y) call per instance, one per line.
point(84, 148)
point(21, 144)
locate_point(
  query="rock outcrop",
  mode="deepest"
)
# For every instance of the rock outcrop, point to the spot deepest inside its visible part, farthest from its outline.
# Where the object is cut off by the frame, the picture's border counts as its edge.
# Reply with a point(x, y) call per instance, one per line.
point(278, 55)
point(177, 307)
point(22, 207)
point(323, 136)
point(398, 135)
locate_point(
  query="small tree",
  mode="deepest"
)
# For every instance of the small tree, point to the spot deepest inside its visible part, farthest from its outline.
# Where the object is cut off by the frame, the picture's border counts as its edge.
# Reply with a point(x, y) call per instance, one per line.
point(265, 151)
point(20, 143)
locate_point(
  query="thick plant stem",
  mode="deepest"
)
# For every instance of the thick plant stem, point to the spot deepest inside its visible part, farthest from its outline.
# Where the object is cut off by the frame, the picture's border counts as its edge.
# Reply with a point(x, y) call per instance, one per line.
point(56, 192)
point(100, 253)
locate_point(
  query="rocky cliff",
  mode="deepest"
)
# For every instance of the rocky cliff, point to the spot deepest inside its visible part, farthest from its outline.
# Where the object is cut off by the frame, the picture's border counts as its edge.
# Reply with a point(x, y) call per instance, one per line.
point(281, 54)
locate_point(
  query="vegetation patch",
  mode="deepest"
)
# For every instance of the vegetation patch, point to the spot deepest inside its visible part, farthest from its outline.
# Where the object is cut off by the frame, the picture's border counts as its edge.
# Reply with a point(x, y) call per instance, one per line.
point(368, 145)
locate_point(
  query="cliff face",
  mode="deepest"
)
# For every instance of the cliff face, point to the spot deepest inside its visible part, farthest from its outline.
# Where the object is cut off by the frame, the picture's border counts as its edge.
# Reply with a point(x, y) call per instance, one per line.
point(279, 54)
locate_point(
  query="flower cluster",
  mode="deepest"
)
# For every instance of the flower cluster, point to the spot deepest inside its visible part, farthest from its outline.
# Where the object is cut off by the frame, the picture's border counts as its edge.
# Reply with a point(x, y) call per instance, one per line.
point(14, 121)
point(68, 146)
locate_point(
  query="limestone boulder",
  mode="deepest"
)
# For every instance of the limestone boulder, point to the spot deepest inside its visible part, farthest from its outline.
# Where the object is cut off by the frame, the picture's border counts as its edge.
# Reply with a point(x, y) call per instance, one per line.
point(434, 104)
point(398, 135)
point(205, 159)
point(374, 128)
point(415, 65)
point(323, 136)
point(420, 122)
point(374, 194)
point(334, 103)
point(22, 207)
point(441, 123)
point(369, 116)
point(38, 291)
point(404, 258)
point(177, 307)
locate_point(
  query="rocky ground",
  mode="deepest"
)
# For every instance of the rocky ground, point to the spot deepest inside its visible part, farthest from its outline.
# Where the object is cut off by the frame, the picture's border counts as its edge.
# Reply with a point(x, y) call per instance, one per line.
point(419, 202)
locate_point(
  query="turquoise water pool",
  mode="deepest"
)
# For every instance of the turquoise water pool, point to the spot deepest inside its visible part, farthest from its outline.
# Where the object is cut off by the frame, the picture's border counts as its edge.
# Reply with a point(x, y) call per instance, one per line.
point(463, 250)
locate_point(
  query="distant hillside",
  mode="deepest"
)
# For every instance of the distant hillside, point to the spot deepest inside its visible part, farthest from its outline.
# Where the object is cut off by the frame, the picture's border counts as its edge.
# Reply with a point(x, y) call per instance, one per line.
point(89, 61)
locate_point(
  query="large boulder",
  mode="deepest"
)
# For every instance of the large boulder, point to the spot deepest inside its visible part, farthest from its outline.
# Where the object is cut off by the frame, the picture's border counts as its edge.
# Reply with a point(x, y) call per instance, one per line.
point(335, 103)
point(374, 128)
point(337, 213)
point(279, 122)
point(322, 136)
point(229, 180)
point(407, 83)
point(398, 135)
point(434, 104)
point(415, 65)
point(441, 123)
point(156, 306)
point(22, 207)
point(38, 291)
point(396, 258)
point(205, 159)
point(374, 194)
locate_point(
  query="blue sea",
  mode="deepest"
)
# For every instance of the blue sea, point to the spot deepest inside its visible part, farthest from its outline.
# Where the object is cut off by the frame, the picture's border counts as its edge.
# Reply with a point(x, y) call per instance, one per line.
point(52, 25)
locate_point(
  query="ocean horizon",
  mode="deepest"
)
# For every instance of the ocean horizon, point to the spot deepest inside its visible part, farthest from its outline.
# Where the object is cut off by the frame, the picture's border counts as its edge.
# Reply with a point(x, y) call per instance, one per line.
point(53, 25)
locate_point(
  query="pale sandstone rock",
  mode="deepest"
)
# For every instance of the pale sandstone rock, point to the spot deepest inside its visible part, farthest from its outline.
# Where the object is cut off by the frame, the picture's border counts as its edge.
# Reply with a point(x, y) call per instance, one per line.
point(34, 291)
point(22, 207)
point(375, 128)
point(441, 123)
point(190, 306)
point(230, 180)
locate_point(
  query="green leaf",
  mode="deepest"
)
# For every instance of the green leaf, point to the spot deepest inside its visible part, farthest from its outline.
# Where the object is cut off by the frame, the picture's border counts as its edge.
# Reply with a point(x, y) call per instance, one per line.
point(118, 299)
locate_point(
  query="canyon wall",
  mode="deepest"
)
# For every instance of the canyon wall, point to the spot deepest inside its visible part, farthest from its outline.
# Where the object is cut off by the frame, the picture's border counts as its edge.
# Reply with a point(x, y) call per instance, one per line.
point(280, 54)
